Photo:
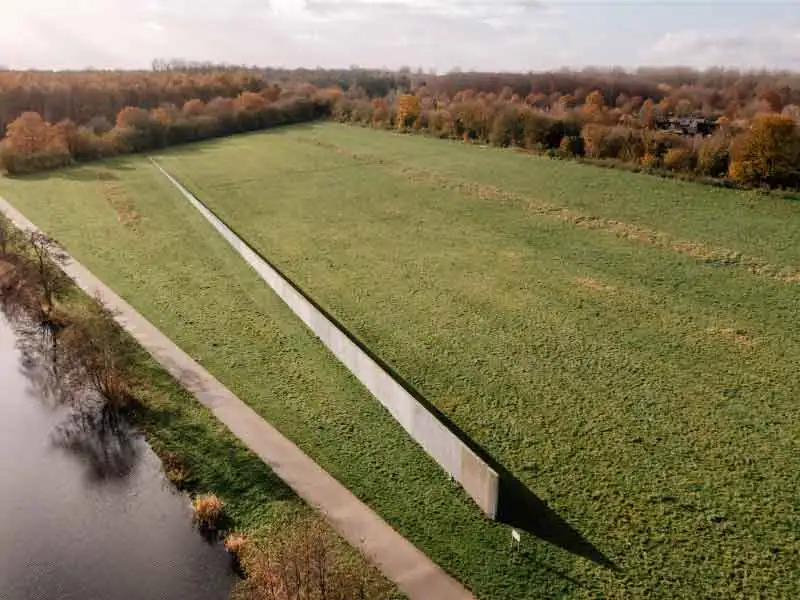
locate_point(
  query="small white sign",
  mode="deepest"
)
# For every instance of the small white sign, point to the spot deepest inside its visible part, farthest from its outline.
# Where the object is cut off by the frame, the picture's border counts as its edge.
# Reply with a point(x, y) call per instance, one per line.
point(516, 536)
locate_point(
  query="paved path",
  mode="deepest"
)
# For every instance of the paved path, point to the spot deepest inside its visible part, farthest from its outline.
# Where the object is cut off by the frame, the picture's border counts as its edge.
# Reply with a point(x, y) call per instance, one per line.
point(413, 572)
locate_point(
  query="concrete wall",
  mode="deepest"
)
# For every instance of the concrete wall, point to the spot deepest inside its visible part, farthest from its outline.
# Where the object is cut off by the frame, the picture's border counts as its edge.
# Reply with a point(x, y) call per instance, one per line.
point(477, 478)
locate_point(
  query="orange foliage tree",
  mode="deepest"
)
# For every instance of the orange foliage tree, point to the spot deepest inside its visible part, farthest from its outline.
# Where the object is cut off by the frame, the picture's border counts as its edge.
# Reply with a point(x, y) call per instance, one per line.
point(768, 153)
point(31, 144)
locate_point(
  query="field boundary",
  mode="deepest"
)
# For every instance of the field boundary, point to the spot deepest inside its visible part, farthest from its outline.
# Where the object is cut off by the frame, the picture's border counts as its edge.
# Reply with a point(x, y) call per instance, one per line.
point(411, 570)
point(425, 425)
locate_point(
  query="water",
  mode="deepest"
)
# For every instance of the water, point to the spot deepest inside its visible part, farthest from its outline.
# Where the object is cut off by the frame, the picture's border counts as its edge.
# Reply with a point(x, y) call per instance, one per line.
point(85, 513)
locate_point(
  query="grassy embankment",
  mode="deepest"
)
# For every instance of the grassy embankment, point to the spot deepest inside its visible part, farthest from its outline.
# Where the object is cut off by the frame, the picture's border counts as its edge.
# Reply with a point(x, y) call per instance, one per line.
point(623, 345)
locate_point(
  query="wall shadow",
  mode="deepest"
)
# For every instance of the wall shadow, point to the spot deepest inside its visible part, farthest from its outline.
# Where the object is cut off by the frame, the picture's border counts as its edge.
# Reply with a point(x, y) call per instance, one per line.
point(518, 506)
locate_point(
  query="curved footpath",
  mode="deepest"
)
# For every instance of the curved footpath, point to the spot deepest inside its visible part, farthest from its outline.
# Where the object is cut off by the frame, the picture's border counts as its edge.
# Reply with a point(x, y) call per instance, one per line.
point(413, 572)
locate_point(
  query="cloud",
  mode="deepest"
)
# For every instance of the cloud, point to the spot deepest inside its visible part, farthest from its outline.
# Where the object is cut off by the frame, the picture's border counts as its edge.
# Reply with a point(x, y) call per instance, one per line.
point(773, 47)
point(478, 10)
point(481, 34)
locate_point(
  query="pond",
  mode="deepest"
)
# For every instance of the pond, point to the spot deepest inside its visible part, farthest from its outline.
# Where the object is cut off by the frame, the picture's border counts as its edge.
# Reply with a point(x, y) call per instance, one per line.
point(85, 512)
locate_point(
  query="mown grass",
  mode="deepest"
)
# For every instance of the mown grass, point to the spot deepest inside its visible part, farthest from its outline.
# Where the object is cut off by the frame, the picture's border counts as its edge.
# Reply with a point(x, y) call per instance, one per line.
point(646, 395)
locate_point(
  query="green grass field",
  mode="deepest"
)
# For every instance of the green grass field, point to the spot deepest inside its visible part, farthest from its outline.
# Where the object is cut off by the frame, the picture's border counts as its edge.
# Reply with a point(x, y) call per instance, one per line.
point(624, 345)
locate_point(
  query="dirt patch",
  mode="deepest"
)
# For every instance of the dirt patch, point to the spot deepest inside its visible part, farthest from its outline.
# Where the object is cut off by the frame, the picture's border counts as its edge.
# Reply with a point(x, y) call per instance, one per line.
point(738, 337)
point(595, 285)
point(116, 195)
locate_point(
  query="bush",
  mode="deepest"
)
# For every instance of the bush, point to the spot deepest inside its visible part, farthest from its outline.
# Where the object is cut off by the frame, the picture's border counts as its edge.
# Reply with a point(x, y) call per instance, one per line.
point(632, 141)
point(600, 143)
point(99, 354)
point(440, 123)
point(207, 510)
point(306, 561)
point(506, 129)
point(571, 146)
point(679, 159)
point(558, 129)
point(713, 155)
point(650, 161)
point(658, 143)
point(535, 127)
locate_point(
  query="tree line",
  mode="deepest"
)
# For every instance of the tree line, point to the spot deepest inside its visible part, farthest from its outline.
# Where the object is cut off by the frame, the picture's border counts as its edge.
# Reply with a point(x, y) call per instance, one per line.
point(611, 116)
point(758, 146)
point(32, 143)
point(83, 95)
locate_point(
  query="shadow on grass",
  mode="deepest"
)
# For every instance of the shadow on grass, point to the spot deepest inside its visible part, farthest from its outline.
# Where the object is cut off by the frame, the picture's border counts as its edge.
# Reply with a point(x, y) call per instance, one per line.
point(98, 170)
point(83, 171)
point(214, 459)
point(518, 506)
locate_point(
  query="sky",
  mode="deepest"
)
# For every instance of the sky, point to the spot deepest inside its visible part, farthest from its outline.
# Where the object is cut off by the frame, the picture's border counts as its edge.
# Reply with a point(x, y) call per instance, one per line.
point(440, 35)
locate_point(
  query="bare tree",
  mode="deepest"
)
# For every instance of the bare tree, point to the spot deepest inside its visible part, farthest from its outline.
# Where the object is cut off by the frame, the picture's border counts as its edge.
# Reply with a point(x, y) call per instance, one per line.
point(48, 275)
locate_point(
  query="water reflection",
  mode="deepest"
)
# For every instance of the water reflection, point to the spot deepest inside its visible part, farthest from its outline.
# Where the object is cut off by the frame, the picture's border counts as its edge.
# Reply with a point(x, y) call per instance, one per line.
point(98, 435)
point(108, 447)
point(85, 511)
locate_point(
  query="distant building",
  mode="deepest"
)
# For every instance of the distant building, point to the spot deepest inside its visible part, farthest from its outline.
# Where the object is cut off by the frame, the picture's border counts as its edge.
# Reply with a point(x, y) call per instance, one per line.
point(687, 125)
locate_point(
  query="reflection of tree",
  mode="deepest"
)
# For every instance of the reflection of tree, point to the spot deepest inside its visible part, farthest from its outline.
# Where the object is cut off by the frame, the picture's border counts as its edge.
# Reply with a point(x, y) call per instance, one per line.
point(96, 434)
point(93, 430)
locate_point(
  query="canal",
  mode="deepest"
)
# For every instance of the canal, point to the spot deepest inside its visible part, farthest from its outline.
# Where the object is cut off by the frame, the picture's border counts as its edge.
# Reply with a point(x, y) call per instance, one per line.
point(85, 511)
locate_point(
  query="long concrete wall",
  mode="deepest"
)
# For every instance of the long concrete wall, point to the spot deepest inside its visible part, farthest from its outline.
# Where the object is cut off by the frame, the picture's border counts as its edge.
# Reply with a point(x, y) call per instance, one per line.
point(477, 478)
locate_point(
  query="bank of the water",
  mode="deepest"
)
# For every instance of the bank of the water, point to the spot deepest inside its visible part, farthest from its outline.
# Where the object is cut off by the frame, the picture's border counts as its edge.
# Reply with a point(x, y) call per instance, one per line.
point(197, 451)
point(86, 512)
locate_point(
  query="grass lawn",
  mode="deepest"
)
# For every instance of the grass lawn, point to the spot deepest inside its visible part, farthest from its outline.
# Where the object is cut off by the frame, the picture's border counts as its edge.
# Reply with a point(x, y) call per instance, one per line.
point(646, 394)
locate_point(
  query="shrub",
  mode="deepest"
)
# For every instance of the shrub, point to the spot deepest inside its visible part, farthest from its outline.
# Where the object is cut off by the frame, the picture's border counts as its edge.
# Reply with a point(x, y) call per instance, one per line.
point(599, 141)
point(650, 161)
point(506, 127)
point(99, 354)
point(558, 129)
point(440, 123)
point(658, 143)
point(713, 155)
point(632, 142)
point(571, 146)
point(306, 561)
point(235, 543)
point(207, 510)
point(679, 159)
point(535, 126)
point(174, 469)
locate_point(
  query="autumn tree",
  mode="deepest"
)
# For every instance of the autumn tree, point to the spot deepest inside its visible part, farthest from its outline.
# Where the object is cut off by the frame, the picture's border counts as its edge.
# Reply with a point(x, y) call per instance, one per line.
point(136, 131)
point(31, 144)
point(594, 102)
point(507, 129)
point(647, 114)
point(194, 108)
point(713, 155)
point(408, 111)
point(768, 153)
point(250, 101)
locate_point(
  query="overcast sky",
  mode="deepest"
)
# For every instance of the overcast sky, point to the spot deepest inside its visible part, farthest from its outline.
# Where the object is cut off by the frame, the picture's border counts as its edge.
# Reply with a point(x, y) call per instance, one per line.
point(510, 35)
